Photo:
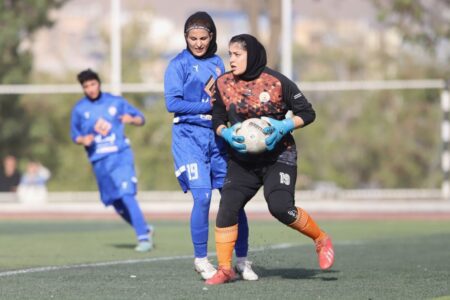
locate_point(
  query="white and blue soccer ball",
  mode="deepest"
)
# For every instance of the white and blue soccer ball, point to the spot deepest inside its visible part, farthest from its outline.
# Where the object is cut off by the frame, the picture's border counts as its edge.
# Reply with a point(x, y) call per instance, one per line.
point(252, 131)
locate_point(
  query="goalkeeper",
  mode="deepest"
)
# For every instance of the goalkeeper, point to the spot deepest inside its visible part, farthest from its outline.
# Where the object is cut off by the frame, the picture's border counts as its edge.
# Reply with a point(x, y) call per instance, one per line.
point(251, 90)
point(98, 122)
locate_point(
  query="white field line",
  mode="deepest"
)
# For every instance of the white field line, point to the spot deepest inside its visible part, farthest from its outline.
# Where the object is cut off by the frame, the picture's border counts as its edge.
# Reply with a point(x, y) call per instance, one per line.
point(147, 260)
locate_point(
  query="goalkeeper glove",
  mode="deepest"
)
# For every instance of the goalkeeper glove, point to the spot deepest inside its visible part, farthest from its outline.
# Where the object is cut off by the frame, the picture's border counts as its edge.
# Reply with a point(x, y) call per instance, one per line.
point(277, 130)
point(235, 141)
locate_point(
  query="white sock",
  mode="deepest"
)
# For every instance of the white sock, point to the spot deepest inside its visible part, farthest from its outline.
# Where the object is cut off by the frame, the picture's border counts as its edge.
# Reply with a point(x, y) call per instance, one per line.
point(201, 259)
point(241, 260)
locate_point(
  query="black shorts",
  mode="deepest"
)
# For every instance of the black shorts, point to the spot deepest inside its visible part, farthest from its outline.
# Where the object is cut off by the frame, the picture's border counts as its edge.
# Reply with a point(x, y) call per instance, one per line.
point(248, 178)
point(243, 182)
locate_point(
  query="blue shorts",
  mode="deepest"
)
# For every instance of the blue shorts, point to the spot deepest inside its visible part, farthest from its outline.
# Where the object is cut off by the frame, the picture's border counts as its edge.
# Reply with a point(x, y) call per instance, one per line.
point(199, 156)
point(116, 176)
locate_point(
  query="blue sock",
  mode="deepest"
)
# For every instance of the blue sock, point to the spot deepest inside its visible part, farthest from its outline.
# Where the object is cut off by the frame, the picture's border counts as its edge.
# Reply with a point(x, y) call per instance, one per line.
point(122, 211)
point(136, 217)
point(241, 247)
point(200, 221)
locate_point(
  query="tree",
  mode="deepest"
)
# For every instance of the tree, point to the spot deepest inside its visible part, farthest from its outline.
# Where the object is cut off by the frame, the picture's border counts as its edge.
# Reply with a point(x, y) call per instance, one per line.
point(273, 9)
point(421, 22)
point(18, 20)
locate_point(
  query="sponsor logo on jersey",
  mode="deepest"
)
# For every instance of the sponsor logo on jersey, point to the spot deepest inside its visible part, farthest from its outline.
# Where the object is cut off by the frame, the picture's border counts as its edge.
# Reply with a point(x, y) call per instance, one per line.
point(195, 67)
point(206, 117)
point(218, 71)
point(87, 115)
point(209, 86)
point(108, 139)
point(109, 149)
point(264, 97)
point(112, 110)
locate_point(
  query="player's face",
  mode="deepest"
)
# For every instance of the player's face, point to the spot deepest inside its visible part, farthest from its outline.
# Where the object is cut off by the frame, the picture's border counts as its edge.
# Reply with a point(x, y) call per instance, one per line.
point(91, 88)
point(238, 59)
point(198, 41)
point(9, 164)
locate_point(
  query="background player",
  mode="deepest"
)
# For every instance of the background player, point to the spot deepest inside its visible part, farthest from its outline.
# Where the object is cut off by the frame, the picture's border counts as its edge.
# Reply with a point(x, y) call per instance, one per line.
point(252, 90)
point(9, 174)
point(98, 124)
point(199, 156)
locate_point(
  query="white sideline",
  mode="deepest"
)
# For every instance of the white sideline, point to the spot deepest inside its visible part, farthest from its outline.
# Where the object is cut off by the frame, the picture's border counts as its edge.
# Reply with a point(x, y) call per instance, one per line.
point(145, 260)
point(345, 201)
point(322, 206)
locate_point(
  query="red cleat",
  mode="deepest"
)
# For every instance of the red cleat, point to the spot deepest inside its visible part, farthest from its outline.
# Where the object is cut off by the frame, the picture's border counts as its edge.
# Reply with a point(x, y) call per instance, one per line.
point(222, 276)
point(325, 252)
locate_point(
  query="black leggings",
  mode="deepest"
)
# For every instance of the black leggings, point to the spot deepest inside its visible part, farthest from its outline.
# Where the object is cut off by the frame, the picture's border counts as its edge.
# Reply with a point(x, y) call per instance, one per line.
point(242, 183)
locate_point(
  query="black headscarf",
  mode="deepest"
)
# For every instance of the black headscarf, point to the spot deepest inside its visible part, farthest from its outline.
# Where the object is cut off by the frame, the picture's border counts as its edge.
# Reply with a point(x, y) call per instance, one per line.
point(256, 56)
point(203, 20)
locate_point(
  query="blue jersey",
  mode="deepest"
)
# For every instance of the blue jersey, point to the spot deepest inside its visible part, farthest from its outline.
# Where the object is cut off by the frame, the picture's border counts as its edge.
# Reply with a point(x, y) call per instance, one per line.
point(108, 108)
point(187, 87)
point(199, 159)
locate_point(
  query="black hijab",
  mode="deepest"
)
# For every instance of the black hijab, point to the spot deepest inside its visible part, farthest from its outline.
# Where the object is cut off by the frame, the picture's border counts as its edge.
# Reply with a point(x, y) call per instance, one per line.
point(202, 20)
point(256, 56)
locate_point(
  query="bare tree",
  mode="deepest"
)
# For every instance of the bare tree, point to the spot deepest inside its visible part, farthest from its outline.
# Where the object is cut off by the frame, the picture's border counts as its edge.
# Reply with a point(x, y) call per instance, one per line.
point(272, 8)
point(422, 22)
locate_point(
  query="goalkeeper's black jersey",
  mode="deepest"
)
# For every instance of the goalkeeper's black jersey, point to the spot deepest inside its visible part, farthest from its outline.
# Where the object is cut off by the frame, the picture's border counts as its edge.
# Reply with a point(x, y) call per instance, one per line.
point(272, 95)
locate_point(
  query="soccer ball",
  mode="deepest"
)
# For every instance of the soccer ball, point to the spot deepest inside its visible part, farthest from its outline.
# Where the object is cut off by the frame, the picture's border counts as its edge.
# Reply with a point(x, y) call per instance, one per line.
point(255, 138)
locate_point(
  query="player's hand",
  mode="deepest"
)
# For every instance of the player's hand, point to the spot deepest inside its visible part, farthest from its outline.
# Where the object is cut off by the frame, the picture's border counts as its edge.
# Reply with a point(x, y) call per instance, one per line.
point(126, 119)
point(277, 130)
point(102, 126)
point(129, 119)
point(87, 140)
point(236, 141)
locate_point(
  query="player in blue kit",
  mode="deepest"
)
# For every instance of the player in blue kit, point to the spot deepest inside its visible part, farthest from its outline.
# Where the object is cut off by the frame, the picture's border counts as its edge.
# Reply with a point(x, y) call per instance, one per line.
point(98, 122)
point(199, 155)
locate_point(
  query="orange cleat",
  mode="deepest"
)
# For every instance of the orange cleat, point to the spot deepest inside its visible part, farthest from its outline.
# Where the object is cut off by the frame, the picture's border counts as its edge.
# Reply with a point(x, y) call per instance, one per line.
point(325, 252)
point(222, 276)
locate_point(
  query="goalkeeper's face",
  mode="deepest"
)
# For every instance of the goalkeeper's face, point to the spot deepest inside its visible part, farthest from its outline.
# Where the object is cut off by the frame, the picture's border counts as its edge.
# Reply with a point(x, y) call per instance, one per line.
point(91, 88)
point(238, 59)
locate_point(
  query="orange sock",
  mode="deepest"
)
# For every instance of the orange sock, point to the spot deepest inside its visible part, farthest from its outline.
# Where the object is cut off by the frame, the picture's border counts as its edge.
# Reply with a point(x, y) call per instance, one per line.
point(225, 239)
point(306, 225)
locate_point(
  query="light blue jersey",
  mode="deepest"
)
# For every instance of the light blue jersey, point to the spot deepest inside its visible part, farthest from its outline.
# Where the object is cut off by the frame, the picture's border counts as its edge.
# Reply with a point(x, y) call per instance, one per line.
point(186, 87)
point(111, 156)
point(110, 153)
point(86, 113)
point(199, 159)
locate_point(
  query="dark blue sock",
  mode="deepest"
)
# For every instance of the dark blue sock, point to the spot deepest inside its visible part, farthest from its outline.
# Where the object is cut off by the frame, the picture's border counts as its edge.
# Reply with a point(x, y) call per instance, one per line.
point(136, 217)
point(122, 210)
point(241, 247)
point(200, 221)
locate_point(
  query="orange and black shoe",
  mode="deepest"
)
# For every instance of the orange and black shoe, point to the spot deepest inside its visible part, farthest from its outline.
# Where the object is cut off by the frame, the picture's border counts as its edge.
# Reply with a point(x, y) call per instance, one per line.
point(222, 276)
point(325, 252)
